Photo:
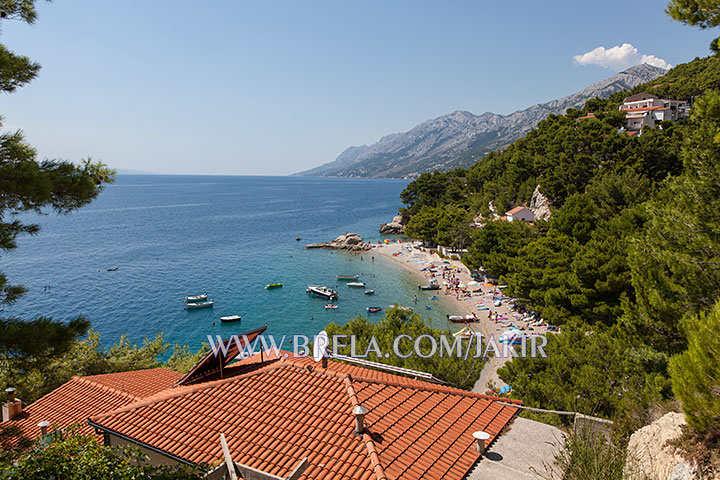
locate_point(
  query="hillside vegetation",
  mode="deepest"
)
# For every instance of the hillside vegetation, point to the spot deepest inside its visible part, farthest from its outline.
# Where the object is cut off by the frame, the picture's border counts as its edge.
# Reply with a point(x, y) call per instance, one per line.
point(625, 265)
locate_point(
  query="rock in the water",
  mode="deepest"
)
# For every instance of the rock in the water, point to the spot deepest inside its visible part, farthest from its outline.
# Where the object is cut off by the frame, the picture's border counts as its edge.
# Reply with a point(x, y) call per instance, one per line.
point(649, 456)
point(348, 241)
point(395, 227)
point(540, 205)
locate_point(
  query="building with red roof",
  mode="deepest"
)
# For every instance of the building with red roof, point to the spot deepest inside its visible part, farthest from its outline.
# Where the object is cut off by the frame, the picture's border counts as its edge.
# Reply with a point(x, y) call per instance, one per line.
point(348, 421)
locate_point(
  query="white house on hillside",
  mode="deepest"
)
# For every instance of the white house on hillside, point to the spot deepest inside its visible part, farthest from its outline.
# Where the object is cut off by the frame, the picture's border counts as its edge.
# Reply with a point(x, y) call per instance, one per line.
point(520, 213)
point(645, 110)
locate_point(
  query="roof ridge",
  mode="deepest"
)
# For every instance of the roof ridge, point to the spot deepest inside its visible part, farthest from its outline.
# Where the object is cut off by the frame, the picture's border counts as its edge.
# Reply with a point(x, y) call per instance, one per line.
point(178, 391)
point(106, 387)
point(418, 385)
point(367, 439)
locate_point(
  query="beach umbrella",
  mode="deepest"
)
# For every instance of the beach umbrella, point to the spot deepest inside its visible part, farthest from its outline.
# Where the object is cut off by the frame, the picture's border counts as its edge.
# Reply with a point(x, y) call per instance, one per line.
point(387, 241)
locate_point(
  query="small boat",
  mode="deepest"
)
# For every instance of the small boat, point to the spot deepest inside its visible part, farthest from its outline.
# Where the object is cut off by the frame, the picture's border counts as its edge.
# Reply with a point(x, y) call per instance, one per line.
point(112, 269)
point(297, 239)
point(356, 284)
point(322, 291)
point(196, 298)
point(273, 285)
point(374, 309)
point(330, 306)
point(429, 287)
point(369, 292)
point(462, 318)
point(231, 318)
point(196, 305)
point(348, 277)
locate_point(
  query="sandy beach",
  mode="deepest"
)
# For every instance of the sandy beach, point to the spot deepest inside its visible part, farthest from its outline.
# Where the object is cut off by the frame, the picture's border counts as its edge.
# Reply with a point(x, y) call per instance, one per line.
point(479, 303)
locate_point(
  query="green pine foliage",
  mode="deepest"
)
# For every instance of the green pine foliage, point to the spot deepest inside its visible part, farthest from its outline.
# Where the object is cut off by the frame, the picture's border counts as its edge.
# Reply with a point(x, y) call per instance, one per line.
point(81, 457)
point(695, 373)
point(632, 248)
point(455, 371)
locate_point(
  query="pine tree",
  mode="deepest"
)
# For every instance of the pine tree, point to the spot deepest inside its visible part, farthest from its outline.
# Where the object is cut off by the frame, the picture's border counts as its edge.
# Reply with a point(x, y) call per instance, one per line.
point(30, 184)
point(695, 373)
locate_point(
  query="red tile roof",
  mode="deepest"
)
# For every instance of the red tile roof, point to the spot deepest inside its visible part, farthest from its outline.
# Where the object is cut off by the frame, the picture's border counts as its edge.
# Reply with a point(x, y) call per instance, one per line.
point(81, 397)
point(281, 411)
point(514, 210)
point(589, 115)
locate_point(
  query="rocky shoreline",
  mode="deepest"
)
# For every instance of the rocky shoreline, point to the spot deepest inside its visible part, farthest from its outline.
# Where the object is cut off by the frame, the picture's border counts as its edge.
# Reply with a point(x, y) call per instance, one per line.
point(396, 227)
point(348, 241)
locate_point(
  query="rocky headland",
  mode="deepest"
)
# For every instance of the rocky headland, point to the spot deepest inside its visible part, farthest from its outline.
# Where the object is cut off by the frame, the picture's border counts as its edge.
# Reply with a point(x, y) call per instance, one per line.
point(348, 241)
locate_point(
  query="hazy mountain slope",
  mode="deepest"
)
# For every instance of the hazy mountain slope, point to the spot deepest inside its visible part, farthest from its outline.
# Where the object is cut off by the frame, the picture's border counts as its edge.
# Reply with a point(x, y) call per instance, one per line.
point(439, 143)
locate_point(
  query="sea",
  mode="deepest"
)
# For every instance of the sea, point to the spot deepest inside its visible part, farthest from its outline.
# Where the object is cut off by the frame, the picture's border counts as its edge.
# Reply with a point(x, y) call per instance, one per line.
point(170, 236)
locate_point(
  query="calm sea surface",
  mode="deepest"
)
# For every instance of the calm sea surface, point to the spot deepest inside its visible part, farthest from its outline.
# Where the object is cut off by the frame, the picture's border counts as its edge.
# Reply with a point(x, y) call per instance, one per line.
point(172, 236)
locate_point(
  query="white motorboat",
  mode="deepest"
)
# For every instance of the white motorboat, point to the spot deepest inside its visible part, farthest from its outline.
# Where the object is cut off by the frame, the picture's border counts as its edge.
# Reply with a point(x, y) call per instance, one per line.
point(197, 305)
point(322, 291)
point(196, 298)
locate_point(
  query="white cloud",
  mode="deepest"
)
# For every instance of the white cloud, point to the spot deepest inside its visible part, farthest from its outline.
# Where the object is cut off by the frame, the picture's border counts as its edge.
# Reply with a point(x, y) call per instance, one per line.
point(619, 58)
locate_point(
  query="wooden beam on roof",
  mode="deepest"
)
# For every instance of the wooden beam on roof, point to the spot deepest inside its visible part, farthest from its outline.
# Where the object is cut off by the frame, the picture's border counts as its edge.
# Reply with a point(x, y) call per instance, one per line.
point(228, 459)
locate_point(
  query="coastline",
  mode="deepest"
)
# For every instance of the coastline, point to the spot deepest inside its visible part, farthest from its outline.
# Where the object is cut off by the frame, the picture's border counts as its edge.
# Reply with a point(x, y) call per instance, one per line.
point(413, 260)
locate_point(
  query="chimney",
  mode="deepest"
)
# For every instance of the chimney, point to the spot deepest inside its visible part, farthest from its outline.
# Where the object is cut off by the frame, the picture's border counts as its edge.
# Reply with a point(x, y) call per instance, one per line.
point(12, 406)
point(481, 438)
point(43, 427)
point(324, 362)
point(359, 413)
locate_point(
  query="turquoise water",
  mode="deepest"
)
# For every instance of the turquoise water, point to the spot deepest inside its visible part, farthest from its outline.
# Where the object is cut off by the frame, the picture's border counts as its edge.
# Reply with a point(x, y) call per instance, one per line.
point(172, 236)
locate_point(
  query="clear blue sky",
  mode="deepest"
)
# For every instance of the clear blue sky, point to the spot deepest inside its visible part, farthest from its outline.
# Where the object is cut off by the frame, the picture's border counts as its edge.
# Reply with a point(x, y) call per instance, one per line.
point(274, 87)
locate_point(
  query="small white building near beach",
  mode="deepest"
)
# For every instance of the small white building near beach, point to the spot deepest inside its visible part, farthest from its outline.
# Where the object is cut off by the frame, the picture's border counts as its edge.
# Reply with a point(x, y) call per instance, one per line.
point(520, 213)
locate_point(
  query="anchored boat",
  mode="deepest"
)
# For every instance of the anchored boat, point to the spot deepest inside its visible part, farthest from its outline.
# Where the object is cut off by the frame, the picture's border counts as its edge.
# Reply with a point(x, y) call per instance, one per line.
point(330, 306)
point(196, 298)
point(369, 292)
point(356, 284)
point(347, 277)
point(462, 318)
point(197, 305)
point(373, 309)
point(322, 291)
point(273, 285)
point(231, 318)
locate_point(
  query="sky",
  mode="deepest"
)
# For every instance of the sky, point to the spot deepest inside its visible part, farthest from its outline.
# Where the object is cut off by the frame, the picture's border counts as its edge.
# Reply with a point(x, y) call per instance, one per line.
point(272, 87)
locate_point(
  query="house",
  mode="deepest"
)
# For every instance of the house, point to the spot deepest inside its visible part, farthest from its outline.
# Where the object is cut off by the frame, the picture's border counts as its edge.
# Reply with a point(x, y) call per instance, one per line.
point(349, 421)
point(646, 110)
point(520, 213)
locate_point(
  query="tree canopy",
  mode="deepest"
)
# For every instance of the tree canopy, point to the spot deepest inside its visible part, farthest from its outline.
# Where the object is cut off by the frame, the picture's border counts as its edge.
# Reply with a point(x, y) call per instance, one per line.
point(31, 184)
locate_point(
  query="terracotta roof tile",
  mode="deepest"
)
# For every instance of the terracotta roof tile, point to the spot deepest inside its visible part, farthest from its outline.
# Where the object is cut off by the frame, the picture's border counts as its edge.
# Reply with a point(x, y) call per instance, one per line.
point(81, 397)
point(282, 411)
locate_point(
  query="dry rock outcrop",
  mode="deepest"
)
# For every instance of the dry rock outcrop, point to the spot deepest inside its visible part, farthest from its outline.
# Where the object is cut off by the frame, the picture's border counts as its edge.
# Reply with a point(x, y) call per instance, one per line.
point(395, 227)
point(347, 241)
point(649, 455)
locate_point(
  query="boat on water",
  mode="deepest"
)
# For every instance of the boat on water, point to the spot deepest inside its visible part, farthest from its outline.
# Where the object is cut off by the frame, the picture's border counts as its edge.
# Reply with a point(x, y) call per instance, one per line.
point(231, 318)
point(322, 291)
point(374, 309)
point(112, 269)
point(273, 285)
point(348, 277)
point(462, 318)
point(369, 292)
point(196, 298)
point(197, 305)
point(356, 284)
point(330, 306)
point(429, 287)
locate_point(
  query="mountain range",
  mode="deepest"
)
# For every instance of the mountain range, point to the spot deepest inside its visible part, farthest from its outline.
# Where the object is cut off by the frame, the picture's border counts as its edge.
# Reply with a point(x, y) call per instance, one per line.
point(439, 144)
